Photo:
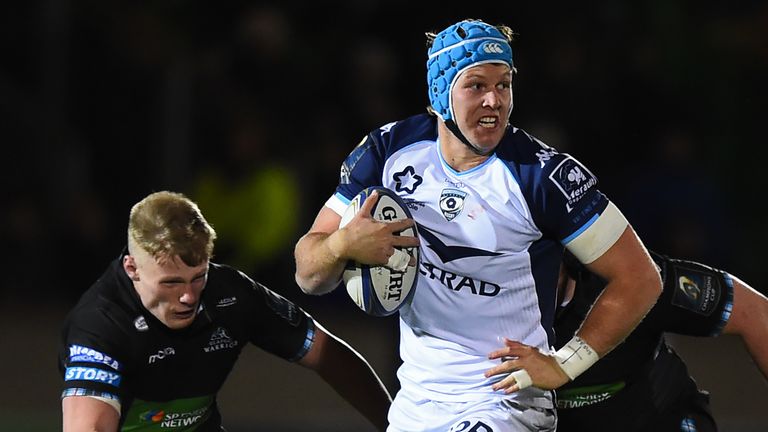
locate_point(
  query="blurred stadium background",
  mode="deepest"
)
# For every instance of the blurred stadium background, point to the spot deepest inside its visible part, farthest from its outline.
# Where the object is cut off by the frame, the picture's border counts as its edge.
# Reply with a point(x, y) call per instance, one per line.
point(249, 108)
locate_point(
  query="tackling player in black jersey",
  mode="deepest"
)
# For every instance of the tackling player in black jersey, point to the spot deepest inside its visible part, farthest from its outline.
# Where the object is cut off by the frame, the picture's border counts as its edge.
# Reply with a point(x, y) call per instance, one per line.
point(151, 343)
point(643, 385)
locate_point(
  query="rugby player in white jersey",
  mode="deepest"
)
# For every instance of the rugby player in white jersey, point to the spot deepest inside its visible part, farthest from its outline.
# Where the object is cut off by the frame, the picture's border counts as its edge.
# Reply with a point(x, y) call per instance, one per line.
point(495, 208)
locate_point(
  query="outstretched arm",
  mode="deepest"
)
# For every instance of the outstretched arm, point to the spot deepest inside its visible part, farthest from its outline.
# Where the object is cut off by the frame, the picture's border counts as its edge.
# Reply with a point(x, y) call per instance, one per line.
point(749, 319)
point(350, 375)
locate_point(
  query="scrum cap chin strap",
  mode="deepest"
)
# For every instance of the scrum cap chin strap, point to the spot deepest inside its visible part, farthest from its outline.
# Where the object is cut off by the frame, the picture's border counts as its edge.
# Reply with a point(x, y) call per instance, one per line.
point(454, 128)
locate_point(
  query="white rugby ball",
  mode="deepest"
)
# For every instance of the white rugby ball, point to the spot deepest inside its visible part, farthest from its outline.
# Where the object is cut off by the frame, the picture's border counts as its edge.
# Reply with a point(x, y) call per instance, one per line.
point(380, 290)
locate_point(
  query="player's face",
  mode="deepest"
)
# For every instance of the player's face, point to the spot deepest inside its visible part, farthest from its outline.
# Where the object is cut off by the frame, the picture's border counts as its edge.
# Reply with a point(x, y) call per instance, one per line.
point(169, 289)
point(481, 99)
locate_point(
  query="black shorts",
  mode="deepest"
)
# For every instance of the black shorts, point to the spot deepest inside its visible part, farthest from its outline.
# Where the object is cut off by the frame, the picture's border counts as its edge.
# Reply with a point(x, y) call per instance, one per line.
point(693, 415)
point(663, 398)
point(614, 415)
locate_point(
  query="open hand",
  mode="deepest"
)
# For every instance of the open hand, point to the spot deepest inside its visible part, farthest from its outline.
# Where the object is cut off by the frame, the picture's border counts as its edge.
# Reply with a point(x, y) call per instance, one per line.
point(542, 369)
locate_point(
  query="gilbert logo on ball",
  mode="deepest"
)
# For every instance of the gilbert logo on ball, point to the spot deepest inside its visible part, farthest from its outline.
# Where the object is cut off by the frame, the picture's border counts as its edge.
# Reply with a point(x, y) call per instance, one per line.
point(382, 290)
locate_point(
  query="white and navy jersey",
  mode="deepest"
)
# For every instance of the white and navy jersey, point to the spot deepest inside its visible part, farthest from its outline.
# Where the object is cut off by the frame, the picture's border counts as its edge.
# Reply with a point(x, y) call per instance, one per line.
point(112, 348)
point(491, 242)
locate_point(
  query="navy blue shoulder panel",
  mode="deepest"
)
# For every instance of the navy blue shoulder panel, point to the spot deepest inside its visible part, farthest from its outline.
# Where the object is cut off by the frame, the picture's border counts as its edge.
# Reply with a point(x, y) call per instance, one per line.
point(364, 165)
point(421, 127)
point(560, 191)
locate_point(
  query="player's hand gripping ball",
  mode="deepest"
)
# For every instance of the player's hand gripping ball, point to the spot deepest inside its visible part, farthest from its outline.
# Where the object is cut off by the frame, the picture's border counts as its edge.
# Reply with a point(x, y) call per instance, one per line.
point(382, 290)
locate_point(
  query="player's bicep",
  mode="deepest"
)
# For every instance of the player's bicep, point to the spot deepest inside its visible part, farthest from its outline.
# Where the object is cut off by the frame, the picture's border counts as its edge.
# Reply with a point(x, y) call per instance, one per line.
point(327, 221)
point(596, 236)
point(626, 261)
point(81, 413)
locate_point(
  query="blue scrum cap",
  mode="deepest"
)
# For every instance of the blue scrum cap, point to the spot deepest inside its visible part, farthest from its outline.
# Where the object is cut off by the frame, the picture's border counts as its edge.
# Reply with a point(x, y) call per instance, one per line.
point(458, 47)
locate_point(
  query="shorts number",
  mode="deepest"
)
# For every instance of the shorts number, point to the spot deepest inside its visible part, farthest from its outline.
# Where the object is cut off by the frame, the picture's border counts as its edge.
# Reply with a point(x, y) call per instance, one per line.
point(471, 426)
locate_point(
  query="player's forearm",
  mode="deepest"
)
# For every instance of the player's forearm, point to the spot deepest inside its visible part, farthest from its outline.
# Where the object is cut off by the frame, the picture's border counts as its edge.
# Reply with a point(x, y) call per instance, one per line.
point(757, 347)
point(354, 379)
point(362, 390)
point(749, 319)
point(618, 310)
point(319, 262)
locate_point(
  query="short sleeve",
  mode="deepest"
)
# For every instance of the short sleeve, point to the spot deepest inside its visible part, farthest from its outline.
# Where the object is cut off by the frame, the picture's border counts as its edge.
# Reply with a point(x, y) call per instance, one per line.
point(697, 300)
point(92, 365)
point(362, 168)
point(568, 206)
point(281, 327)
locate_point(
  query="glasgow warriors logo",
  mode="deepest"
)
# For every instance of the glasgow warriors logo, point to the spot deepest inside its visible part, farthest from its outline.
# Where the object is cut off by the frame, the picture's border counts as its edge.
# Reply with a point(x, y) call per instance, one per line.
point(451, 203)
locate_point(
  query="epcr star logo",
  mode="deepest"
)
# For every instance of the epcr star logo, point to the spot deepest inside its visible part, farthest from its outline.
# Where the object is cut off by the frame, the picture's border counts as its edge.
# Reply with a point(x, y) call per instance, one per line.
point(407, 180)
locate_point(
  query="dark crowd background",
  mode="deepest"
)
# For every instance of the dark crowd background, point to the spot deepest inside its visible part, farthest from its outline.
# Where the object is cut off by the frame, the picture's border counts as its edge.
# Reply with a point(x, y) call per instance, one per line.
point(250, 107)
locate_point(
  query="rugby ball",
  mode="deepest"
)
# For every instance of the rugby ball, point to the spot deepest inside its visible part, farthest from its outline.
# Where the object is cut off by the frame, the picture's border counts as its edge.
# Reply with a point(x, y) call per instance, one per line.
point(380, 290)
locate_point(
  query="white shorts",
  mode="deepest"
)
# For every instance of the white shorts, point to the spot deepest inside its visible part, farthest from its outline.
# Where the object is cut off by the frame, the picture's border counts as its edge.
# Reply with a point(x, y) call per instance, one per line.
point(409, 414)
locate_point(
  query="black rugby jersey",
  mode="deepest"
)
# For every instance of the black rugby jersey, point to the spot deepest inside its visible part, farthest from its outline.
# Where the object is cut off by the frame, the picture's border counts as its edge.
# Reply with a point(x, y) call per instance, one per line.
point(165, 379)
point(642, 377)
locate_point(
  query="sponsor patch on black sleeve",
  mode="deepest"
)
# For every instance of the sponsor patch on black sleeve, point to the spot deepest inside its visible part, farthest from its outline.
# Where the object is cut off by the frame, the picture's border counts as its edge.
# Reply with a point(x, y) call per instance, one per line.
point(82, 373)
point(83, 354)
point(573, 180)
point(695, 291)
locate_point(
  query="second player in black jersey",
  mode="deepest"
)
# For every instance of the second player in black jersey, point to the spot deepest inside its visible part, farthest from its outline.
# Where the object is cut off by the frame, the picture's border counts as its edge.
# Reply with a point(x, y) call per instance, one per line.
point(151, 343)
point(643, 384)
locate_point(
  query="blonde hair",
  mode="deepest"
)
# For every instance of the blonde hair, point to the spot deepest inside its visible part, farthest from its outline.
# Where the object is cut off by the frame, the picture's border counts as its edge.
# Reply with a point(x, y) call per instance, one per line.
point(166, 224)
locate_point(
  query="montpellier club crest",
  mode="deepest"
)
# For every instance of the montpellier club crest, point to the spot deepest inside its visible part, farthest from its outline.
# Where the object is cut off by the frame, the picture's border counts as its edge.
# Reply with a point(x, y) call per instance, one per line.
point(451, 203)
